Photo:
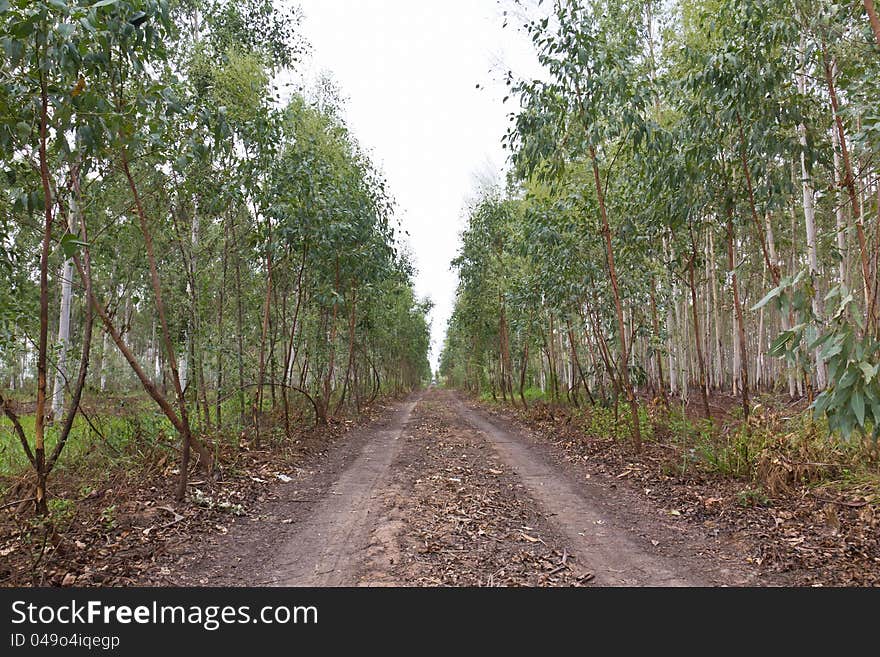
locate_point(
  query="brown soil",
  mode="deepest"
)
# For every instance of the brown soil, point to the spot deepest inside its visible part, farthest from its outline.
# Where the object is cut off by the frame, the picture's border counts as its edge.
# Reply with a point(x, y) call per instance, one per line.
point(439, 491)
point(122, 527)
point(781, 529)
point(439, 494)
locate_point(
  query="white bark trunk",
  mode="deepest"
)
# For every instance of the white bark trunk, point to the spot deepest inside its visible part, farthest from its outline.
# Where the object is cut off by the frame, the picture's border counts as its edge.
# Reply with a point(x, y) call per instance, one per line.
point(63, 341)
point(810, 223)
point(841, 200)
point(104, 356)
point(64, 323)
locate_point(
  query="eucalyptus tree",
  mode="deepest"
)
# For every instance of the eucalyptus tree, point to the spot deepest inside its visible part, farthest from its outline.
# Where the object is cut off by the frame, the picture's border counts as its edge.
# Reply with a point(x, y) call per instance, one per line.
point(48, 47)
point(589, 107)
point(728, 152)
point(482, 267)
point(144, 142)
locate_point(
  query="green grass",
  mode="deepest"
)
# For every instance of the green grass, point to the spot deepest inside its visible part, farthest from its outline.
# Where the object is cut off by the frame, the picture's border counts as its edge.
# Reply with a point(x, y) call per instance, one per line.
point(600, 421)
point(113, 436)
point(531, 395)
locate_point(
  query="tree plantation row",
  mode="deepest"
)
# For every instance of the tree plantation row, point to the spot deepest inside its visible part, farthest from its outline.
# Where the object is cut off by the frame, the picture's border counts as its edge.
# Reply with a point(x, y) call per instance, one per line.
point(693, 209)
point(178, 238)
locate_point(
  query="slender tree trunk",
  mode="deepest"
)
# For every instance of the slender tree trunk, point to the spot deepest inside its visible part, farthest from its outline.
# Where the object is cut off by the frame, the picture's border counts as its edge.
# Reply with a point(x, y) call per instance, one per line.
point(239, 335)
point(576, 361)
point(186, 434)
point(872, 17)
point(88, 322)
point(550, 345)
point(740, 322)
point(759, 226)
point(261, 376)
point(785, 318)
point(102, 367)
point(810, 218)
point(40, 502)
point(697, 337)
point(291, 355)
point(612, 274)
point(218, 410)
point(658, 354)
point(351, 342)
point(848, 182)
point(522, 374)
point(670, 336)
point(840, 215)
point(716, 315)
point(63, 334)
point(505, 352)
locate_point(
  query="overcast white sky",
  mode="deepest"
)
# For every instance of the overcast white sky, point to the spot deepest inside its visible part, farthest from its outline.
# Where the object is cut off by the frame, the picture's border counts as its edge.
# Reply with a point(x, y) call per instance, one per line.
point(409, 70)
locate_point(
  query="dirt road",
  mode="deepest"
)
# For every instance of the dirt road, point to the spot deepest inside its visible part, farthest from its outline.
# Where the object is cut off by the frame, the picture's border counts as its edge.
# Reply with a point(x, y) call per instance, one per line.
point(438, 493)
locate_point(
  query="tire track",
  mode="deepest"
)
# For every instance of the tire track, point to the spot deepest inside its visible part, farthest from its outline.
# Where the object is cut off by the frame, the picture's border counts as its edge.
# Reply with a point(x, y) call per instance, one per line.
point(601, 547)
point(328, 547)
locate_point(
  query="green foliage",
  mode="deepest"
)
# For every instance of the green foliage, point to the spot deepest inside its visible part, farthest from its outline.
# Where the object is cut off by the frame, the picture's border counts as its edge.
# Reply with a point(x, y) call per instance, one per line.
point(851, 402)
point(752, 497)
point(706, 129)
point(270, 230)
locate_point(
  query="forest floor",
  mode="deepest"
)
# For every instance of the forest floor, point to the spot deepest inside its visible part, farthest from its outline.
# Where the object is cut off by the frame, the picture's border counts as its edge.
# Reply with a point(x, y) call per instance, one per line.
point(439, 490)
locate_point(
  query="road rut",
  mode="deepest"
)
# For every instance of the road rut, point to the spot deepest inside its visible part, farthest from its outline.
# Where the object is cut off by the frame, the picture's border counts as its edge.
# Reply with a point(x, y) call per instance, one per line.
point(327, 548)
point(436, 493)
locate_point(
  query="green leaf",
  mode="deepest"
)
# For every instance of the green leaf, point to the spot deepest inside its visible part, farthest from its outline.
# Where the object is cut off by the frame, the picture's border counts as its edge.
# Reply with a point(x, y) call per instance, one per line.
point(138, 18)
point(868, 371)
point(831, 349)
point(104, 3)
point(777, 348)
point(849, 377)
point(70, 245)
point(775, 292)
point(23, 130)
point(857, 403)
point(819, 341)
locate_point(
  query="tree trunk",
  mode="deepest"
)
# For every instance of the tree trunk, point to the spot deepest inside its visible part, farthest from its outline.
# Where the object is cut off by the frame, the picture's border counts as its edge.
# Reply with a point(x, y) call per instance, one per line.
point(659, 354)
point(872, 17)
point(848, 181)
point(740, 323)
point(612, 273)
point(88, 322)
point(291, 355)
point(716, 315)
point(550, 346)
point(63, 336)
point(258, 398)
point(40, 502)
point(697, 336)
point(221, 302)
point(839, 215)
point(810, 218)
point(185, 429)
point(239, 334)
point(759, 226)
point(505, 352)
